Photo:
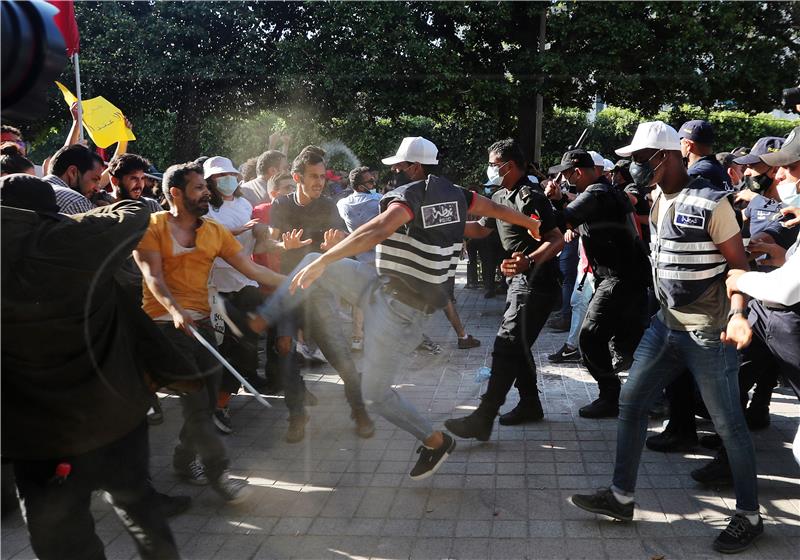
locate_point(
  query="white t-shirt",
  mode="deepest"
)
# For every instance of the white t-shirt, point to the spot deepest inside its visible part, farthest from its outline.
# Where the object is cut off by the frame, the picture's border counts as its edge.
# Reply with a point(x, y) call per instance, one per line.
point(233, 214)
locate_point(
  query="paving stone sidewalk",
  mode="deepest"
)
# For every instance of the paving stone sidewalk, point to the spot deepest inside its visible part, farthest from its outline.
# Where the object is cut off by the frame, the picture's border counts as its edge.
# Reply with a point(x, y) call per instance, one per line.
point(337, 496)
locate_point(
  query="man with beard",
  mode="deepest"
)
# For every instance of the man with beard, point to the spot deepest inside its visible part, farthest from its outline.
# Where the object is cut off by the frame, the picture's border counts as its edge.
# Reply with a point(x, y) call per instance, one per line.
point(128, 179)
point(75, 178)
point(176, 255)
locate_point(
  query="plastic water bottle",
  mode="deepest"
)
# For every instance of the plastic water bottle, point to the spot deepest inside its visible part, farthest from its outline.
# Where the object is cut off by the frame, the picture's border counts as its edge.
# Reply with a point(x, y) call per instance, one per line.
point(483, 374)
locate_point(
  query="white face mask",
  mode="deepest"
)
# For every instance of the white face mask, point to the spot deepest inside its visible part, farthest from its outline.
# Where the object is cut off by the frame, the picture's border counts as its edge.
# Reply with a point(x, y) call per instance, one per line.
point(493, 173)
point(787, 192)
point(372, 191)
point(227, 184)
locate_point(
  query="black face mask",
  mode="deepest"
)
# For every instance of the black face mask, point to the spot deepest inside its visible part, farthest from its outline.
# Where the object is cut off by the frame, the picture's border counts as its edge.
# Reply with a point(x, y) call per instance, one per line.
point(642, 173)
point(400, 178)
point(759, 183)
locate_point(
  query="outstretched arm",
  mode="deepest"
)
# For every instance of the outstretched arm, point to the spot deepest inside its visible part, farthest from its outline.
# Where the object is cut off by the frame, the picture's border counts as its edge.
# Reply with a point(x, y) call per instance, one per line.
point(363, 239)
point(482, 206)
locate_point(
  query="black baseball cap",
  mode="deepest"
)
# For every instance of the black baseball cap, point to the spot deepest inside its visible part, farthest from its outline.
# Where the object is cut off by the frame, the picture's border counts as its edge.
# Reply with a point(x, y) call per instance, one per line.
point(699, 131)
point(573, 159)
point(765, 145)
point(27, 192)
point(789, 152)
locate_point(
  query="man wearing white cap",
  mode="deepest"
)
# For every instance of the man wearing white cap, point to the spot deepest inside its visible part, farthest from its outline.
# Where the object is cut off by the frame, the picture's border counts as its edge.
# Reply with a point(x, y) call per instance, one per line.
point(417, 237)
point(695, 242)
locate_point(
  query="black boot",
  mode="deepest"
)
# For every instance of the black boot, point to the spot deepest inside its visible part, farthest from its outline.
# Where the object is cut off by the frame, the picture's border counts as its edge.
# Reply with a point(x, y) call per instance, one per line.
point(477, 425)
point(526, 411)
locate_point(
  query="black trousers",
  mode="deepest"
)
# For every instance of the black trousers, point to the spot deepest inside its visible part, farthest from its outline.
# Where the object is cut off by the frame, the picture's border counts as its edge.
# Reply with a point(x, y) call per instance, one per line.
point(59, 521)
point(485, 251)
point(198, 435)
point(527, 310)
point(616, 311)
point(242, 353)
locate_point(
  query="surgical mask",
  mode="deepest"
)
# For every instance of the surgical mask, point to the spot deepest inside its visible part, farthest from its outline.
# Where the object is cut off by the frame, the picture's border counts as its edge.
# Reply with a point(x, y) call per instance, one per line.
point(227, 185)
point(758, 183)
point(642, 173)
point(372, 191)
point(493, 173)
point(787, 192)
point(487, 191)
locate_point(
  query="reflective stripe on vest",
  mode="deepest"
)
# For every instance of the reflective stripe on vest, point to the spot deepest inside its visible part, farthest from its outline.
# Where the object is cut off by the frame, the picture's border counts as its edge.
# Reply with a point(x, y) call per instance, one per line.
point(685, 260)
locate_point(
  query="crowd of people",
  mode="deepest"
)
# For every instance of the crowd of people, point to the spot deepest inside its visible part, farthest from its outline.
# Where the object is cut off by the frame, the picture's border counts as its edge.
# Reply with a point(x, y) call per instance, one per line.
point(676, 264)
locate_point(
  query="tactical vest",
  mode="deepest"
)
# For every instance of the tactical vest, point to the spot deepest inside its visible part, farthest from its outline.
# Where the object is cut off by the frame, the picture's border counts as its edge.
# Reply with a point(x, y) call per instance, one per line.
point(424, 253)
point(685, 260)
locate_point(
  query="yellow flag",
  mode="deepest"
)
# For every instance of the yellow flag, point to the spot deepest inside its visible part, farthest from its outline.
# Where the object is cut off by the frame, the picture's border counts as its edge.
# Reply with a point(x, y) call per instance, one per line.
point(102, 119)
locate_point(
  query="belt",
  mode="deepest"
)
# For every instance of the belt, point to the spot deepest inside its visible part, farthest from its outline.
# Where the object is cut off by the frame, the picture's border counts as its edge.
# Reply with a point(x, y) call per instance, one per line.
point(408, 299)
point(772, 306)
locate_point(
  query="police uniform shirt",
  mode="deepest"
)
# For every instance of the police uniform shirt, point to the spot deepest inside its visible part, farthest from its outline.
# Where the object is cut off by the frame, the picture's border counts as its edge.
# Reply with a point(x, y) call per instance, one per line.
point(710, 310)
point(712, 171)
point(423, 254)
point(642, 207)
point(527, 198)
point(597, 213)
point(763, 215)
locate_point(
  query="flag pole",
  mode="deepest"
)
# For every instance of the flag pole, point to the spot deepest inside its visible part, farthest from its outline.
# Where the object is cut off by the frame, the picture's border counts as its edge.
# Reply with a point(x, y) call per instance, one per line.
point(77, 64)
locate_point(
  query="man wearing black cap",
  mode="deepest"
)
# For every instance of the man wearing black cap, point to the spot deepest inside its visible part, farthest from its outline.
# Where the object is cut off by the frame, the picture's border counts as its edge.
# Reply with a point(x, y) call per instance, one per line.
point(697, 137)
point(73, 408)
point(604, 218)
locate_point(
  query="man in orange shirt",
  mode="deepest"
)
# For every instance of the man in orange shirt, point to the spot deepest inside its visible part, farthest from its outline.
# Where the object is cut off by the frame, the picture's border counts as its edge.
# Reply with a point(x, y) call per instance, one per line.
point(176, 255)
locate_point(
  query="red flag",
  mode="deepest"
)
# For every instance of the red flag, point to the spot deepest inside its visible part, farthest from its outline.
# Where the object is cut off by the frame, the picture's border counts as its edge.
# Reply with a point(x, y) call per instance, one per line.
point(65, 21)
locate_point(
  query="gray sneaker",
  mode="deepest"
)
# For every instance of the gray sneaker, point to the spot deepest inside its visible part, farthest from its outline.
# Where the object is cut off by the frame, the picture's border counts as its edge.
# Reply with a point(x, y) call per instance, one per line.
point(233, 490)
point(192, 472)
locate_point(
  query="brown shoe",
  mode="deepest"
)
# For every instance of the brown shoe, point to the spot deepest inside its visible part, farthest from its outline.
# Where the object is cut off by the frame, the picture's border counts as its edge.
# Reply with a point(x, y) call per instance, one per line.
point(469, 342)
point(297, 428)
point(365, 428)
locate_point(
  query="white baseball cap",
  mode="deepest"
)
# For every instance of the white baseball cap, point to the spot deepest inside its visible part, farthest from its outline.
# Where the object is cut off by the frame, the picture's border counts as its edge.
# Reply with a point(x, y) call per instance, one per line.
point(608, 165)
point(596, 158)
point(218, 164)
point(655, 135)
point(414, 149)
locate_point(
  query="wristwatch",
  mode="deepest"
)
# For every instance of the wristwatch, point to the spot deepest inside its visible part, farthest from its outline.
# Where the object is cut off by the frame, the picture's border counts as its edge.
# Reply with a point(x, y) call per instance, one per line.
point(737, 311)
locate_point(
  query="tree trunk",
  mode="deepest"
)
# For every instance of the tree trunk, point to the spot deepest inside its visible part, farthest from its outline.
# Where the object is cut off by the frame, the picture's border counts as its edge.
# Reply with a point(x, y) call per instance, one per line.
point(186, 136)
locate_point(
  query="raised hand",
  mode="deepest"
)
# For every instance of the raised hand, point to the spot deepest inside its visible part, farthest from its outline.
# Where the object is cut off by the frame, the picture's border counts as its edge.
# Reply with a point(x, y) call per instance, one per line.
point(331, 238)
point(294, 240)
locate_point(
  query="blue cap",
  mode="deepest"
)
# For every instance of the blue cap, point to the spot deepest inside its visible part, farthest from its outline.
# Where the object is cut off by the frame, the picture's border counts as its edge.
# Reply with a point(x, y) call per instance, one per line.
point(697, 131)
point(763, 146)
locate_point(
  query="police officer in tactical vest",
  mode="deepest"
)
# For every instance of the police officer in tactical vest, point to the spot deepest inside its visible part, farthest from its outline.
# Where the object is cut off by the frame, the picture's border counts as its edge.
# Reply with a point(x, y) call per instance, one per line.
point(695, 242)
point(605, 219)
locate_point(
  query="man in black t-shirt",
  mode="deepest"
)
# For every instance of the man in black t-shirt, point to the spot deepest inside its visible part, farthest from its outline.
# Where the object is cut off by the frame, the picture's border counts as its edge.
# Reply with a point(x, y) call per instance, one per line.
point(533, 288)
point(603, 217)
point(322, 227)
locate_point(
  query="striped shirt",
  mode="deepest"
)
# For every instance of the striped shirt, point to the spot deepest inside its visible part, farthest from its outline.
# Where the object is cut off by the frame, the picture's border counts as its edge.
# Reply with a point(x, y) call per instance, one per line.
point(69, 201)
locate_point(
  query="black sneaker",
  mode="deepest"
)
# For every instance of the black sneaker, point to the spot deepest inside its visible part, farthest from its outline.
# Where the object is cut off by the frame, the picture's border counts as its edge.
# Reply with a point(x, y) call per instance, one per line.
point(604, 503)
point(173, 505)
point(739, 535)
point(232, 490)
point(431, 459)
point(222, 420)
point(155, 415)
point(717, 473)
point(467, 343)
point(559, 323)
point(600, 408)
point(711, 441)
point(670, 441)
point(192, 472)
point(565, 355)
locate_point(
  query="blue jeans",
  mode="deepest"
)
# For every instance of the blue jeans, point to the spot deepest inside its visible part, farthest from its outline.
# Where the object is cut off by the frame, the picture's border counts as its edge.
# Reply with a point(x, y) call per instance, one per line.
point(392, 330)
point(661, 356)
point(568, 263)
point(580, 303)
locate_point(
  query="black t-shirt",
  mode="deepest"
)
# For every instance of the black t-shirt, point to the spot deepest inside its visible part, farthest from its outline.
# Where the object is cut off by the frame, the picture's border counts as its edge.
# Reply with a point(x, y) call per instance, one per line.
point(642, 207)
point(712, 171)
point(315, 218)
point(602, 215)
point(527, 198)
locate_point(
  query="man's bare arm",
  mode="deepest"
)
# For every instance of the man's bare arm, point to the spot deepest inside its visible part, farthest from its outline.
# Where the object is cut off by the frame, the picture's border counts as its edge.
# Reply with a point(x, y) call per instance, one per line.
point(150, 264)
point(261, 274)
